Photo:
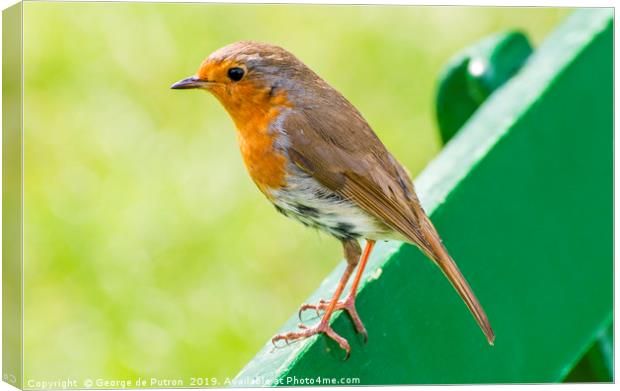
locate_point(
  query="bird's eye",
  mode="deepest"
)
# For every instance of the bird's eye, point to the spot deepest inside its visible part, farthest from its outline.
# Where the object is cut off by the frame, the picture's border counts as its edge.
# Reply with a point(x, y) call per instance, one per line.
point(235, 74)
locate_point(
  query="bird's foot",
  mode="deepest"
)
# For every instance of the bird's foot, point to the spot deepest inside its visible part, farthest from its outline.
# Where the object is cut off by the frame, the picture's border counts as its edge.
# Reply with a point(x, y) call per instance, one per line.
point(347, 305)
point(305, 332)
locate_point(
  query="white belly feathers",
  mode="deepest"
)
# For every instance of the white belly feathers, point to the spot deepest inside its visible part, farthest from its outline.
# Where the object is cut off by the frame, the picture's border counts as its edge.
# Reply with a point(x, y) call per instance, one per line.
point(306, 200)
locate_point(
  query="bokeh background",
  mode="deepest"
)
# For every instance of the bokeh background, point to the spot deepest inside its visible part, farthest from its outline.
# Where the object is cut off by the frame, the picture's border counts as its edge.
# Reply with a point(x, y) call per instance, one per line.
point(148, 250)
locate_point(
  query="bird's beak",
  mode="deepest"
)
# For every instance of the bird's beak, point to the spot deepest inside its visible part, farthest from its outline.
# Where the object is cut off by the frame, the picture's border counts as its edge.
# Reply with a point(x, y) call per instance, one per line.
point(190, 82)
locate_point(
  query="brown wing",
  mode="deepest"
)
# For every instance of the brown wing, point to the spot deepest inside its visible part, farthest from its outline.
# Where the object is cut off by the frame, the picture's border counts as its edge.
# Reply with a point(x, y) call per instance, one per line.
point(340, 150)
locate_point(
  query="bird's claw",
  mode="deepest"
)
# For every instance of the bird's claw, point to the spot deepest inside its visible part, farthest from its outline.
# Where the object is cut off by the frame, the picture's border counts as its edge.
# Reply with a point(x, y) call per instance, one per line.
point(305, 332)
point(320, 306)
point(347, 305)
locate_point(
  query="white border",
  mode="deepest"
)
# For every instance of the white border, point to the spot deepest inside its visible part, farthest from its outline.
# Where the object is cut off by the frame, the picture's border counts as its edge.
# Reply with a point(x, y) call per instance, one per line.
point(509, 3)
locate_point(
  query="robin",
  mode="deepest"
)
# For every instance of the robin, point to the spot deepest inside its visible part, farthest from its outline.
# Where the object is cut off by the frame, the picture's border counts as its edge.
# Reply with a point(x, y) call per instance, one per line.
point(312, 154)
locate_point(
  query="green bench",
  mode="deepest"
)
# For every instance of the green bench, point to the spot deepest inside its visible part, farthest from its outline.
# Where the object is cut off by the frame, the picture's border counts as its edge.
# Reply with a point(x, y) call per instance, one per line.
point(523, 198)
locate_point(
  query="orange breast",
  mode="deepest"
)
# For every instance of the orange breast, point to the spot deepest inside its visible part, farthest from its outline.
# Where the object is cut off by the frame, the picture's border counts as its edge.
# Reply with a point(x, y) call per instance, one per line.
point(253, 117)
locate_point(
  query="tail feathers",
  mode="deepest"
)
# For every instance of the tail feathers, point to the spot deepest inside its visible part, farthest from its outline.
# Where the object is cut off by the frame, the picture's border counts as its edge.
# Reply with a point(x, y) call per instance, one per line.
point(438, 253)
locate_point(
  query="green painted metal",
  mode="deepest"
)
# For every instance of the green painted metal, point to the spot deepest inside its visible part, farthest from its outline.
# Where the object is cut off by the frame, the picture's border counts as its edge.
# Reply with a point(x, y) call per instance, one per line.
point(523, 198)
point(597, 364)
point(473, 74)
point(466, 82)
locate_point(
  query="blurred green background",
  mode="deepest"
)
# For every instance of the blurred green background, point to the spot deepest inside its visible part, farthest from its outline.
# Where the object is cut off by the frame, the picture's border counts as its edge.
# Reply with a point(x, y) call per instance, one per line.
point(149, 252)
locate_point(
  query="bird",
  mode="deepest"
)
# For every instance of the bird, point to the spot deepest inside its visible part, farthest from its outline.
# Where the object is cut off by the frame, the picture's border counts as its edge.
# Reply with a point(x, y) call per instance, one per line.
point(317, 160)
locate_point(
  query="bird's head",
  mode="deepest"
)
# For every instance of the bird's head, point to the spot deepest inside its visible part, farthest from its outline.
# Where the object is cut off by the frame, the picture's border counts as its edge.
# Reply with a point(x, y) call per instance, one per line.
point(247, 77)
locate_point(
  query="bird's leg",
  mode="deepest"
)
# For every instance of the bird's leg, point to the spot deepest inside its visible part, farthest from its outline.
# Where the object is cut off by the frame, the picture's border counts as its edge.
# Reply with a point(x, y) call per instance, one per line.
point(348, 304)
point(352, 251)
